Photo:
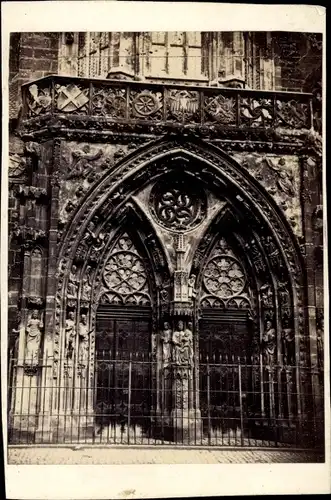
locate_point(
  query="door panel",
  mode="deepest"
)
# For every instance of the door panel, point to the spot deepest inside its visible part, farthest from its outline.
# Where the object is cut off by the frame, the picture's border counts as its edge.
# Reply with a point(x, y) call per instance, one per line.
point(223, 338)
point(122, 367)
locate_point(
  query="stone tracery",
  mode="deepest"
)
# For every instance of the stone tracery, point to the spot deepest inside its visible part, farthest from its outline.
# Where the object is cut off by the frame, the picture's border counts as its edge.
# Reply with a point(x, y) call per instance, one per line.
point(124, 273)
point(224, 279)
point(156, 169)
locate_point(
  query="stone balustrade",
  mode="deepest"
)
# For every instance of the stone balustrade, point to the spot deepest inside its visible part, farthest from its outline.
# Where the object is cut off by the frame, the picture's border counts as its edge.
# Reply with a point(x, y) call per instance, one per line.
point(157, 107)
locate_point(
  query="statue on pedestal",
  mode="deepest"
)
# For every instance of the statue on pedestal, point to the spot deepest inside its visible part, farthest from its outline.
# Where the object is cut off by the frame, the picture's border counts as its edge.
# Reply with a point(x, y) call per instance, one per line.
point(84, 334)
point(86, 288)
point(183, 346)
point(269, 343)
point(72, 283)
point(319, 338)
point(288, 344)
point(33, 330)
point(166, 337)
point(191, 287)
point(70, 334)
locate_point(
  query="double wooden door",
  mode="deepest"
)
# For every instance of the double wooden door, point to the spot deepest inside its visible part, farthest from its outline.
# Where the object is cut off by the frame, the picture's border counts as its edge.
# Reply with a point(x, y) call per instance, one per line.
point(123, 368)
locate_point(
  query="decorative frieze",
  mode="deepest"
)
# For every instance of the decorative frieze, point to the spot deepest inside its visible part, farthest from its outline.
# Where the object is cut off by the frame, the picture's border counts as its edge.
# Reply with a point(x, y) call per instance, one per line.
point(140, 104)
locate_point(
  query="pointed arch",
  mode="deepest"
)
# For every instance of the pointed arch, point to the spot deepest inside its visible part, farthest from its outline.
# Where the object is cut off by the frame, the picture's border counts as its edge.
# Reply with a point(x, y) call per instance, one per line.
point(205, 163)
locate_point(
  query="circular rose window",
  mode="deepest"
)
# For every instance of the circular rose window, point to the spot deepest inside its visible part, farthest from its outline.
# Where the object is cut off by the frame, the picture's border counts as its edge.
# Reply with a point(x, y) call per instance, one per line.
point(224, 277)
point(178, 205)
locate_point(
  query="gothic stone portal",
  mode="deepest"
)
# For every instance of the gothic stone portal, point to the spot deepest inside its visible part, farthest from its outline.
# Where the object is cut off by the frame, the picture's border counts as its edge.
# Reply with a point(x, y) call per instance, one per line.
point(176, 317)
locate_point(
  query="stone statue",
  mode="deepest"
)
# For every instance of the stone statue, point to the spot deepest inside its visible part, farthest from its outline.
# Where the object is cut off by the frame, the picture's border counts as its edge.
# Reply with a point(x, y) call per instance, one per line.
point(272, 251)
point(288, 344)
point(73, 283)
point(33, 330)
point(284, 295)
point(191, 287)
point(86, 289)
point(164, 291)
point(266, 295)
point(84, 334)
point(319, 339)
point(269, 343)
point(188, 338)
point(70, 334)
point(166, 337)
point(182, 345)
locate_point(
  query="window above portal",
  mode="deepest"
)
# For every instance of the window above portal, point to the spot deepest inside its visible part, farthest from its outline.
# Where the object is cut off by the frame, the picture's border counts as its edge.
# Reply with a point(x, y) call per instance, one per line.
point(178, 204)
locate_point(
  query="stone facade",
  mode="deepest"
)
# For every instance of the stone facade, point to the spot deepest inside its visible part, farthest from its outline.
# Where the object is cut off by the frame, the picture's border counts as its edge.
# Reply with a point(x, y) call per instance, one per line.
point(171, 200)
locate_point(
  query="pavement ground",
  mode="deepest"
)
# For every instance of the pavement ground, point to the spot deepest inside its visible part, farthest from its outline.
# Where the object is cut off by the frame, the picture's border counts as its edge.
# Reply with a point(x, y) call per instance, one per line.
point(116, 455)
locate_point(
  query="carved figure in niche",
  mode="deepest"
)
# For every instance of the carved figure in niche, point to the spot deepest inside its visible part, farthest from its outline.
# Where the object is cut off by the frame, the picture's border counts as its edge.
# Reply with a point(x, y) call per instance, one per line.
point(90, 235)
point(84, 334)
point(33, 330)
point(70, 334)
point(272, 251)
point(182, 345)
point(166, 337)
point(285, 180)
point(318, 218)
point(284, 295)
point(256, 256)
point(266, 295)
point(164, 291)
point(73, 283)
point(86, 289)
point(320, 340)
point(188, 339)
point(269, 343)
point(288, 343)
point(191, 287)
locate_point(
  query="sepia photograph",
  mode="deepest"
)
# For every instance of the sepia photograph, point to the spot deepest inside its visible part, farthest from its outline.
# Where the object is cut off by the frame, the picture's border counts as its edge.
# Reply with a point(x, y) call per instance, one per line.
point(166, 269)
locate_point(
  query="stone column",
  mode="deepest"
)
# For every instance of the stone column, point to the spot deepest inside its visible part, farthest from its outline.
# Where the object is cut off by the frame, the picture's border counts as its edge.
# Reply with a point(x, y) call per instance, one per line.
point(185, 416)
point(309, 200)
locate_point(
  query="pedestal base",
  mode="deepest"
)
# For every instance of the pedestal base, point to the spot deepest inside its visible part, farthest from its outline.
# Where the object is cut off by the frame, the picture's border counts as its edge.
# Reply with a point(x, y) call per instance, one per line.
point(187, 426)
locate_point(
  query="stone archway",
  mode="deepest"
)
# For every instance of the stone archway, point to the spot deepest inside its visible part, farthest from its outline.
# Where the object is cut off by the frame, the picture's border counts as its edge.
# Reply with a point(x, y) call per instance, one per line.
point(105, 208)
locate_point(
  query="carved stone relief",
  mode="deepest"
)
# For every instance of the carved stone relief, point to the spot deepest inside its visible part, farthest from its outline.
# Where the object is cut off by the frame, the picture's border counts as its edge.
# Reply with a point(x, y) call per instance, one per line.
point(82, 165)
point(17, 162)
point(280, 176)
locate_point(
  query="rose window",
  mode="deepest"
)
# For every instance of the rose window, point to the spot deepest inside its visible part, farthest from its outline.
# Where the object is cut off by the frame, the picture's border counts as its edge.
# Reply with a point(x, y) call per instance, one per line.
point(224, 277)
point(124, 273)
point(177, 205)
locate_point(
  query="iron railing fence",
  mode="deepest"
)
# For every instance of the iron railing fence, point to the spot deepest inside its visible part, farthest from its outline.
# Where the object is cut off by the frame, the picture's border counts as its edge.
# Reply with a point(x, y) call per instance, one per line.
point(162, 104)
point(137, 400)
